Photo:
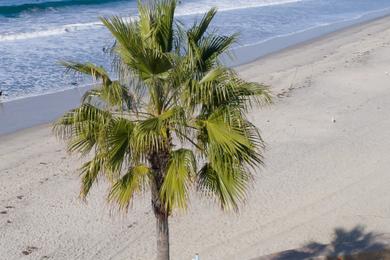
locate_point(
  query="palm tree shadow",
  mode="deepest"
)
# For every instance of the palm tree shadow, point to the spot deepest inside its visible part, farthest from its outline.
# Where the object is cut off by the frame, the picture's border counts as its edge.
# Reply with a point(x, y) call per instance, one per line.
point(345, 243)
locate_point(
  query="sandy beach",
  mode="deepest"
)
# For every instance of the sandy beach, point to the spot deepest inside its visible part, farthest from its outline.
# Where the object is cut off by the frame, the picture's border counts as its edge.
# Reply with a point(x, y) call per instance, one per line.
point(326, 172)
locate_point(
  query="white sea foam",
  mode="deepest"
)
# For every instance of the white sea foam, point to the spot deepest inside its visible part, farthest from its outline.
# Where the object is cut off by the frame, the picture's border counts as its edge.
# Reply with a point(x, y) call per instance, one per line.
point(49, 32)
point(198, 7)
point(26, 76)
point(190, 8)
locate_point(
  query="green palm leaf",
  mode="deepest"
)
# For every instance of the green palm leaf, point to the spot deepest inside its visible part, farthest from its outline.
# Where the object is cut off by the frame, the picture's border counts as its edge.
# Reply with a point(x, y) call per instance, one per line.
point(180, 173)
point(118, 136)
point(89, 174)
point(123, 190)
point(227, 187)
point(197, 31)
point(82, 127)
point(98, 73)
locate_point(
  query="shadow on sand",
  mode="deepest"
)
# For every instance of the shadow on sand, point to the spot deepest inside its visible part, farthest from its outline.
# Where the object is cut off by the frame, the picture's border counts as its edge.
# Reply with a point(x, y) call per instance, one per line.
point(355, 244)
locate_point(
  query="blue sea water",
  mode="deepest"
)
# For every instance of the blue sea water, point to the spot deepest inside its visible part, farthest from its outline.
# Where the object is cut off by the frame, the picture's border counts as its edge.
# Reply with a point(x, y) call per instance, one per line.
point(36, 34)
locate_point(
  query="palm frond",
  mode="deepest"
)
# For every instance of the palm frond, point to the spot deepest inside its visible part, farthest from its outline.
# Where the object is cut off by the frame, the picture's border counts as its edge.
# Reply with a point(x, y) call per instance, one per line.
point(165, 19)
point(222, 87)
point(82, 127)
point(89, 174)
point(181, 170)
point(229, 188)
point(230, 139)
point(124, 31)
point(197, 31)
point(144, 45)
point(204, 54)
point(118, 134)
point(134, 181)
point(96, 72)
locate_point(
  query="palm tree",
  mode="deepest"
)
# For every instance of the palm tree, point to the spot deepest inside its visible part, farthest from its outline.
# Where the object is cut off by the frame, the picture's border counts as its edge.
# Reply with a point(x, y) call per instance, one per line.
point(173, 120)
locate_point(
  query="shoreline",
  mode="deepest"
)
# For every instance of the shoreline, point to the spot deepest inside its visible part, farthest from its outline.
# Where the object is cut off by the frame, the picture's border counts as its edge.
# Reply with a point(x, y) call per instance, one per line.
point(298, 39)
point(31, 111)
point(325, 182)
point(328, 31)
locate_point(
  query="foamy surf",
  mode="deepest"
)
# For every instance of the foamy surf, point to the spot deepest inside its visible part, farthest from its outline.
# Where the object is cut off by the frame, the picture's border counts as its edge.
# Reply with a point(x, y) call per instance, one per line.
point(199, 7)
point(184, 9)
point(49, 32)
point(12, 8)
point(32, 43)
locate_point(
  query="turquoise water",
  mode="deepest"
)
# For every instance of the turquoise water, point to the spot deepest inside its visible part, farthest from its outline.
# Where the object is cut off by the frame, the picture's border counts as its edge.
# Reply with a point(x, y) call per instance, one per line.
point(35, 35)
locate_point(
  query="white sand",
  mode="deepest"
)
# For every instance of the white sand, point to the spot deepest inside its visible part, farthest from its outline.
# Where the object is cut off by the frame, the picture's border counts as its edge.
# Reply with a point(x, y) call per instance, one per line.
point(319, 174)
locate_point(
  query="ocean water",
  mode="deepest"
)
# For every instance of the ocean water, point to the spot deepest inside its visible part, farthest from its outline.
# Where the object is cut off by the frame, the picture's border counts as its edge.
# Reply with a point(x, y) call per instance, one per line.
point(36, 34)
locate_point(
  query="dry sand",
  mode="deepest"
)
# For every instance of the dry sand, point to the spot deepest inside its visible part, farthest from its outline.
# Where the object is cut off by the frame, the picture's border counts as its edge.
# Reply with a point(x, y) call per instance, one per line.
point(327, 167)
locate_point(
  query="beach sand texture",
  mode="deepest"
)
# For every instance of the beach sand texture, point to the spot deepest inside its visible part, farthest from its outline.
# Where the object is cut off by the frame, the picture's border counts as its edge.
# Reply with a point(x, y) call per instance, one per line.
point(327, 167)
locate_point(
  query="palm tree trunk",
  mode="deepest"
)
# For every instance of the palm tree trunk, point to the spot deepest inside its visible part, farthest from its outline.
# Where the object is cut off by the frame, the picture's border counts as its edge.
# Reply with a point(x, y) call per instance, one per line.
point(159, 162)
point(162, 237)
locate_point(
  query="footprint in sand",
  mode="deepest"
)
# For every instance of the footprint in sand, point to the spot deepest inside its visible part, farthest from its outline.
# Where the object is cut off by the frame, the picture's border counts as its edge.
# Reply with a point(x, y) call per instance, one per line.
point(132, 225)
point(19, 197)
point(43, 181)
point(29, 250)
point(3, 212)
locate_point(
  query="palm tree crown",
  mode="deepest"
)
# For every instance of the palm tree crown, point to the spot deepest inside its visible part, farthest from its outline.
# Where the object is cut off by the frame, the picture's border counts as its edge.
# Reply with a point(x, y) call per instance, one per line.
point(174, 117)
